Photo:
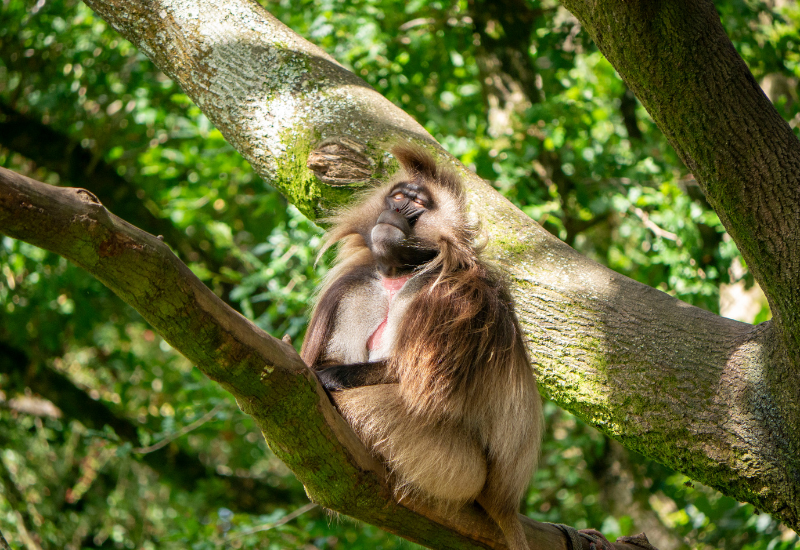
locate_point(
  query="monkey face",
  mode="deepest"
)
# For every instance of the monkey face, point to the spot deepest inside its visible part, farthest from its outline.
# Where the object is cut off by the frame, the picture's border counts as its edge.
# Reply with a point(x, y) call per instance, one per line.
point(393, 241)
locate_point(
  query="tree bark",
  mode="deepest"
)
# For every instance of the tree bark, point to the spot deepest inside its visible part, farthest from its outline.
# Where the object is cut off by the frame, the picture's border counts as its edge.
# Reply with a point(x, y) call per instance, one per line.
point(708, 396)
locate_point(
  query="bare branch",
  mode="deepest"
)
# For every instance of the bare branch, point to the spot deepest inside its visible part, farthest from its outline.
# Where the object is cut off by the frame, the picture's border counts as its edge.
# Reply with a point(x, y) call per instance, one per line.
point(657, 230)
point(283, 521)
point(183, 431)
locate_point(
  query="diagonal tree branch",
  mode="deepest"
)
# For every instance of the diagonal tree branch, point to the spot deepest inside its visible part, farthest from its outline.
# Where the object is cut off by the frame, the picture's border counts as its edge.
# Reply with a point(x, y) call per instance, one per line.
point(272, 94)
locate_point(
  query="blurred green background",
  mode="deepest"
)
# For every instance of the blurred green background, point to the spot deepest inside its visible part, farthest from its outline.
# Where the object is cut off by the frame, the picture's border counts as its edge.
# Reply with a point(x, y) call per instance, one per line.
point(512, 88)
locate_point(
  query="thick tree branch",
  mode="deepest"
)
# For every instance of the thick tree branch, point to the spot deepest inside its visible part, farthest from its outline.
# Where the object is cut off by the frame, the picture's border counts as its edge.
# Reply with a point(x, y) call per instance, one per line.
point(266, 376)
point(678, 61)
point(272, 94)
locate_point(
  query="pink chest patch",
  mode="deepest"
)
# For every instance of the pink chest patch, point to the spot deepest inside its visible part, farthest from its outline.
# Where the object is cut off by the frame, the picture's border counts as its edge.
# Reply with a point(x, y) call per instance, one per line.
point(392, 287)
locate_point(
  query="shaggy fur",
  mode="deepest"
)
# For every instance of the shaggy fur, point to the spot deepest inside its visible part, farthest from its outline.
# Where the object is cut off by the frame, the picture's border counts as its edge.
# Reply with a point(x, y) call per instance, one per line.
point(459, 416)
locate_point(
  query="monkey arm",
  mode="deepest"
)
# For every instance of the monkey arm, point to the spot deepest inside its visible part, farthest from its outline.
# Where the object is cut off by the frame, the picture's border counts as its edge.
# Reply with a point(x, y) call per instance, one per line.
point(343, 377)
point(324, 316)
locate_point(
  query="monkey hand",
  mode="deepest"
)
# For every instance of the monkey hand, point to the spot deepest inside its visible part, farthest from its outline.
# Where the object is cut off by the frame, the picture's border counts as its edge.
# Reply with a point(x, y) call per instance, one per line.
point(344, 377)
point(333, 378)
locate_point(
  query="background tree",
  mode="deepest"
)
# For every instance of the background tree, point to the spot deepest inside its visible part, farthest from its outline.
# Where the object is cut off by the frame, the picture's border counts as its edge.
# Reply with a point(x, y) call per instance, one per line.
point(544, 115)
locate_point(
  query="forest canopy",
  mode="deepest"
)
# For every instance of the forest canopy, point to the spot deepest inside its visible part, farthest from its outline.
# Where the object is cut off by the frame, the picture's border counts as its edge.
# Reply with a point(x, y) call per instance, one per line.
point(110, 438)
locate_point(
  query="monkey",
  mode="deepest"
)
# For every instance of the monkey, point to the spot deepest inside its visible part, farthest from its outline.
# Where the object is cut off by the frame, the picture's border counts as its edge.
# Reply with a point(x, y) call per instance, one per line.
point(415, 339)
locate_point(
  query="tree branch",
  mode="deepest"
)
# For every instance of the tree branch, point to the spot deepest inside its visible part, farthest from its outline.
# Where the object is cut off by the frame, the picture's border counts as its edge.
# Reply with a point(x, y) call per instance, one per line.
point(271, 93)
point(183, 431)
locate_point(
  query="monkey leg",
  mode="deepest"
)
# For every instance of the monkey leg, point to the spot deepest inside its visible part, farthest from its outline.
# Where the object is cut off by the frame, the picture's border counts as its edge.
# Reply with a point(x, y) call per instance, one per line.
point(508, 521)
point(433, 459)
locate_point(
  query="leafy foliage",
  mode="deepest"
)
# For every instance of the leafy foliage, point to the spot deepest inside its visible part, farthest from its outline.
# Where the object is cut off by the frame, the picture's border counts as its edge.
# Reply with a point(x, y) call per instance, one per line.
point(561, 137)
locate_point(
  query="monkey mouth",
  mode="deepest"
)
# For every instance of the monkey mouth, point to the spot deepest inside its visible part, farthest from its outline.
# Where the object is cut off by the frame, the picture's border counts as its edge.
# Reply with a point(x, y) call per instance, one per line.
point(394, 219)
point(387, 235)
point(390, 228)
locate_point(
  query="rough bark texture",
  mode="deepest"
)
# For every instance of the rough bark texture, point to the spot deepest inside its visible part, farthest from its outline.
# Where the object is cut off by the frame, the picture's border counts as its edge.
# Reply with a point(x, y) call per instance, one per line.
point(272, 94)
point(711, 397)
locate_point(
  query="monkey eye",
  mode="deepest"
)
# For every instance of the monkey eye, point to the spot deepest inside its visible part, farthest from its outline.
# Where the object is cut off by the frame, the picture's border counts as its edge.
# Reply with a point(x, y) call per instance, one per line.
point(419, 203)
point(398, 196)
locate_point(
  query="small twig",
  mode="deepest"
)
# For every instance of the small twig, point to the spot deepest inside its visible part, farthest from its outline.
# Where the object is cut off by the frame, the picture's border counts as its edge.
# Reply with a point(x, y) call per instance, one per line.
point(286, 519)
point(418, 22)
point(288, 254)
point(657, 231)
point(16, 500)
point(32, 406)
point(183, 431)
